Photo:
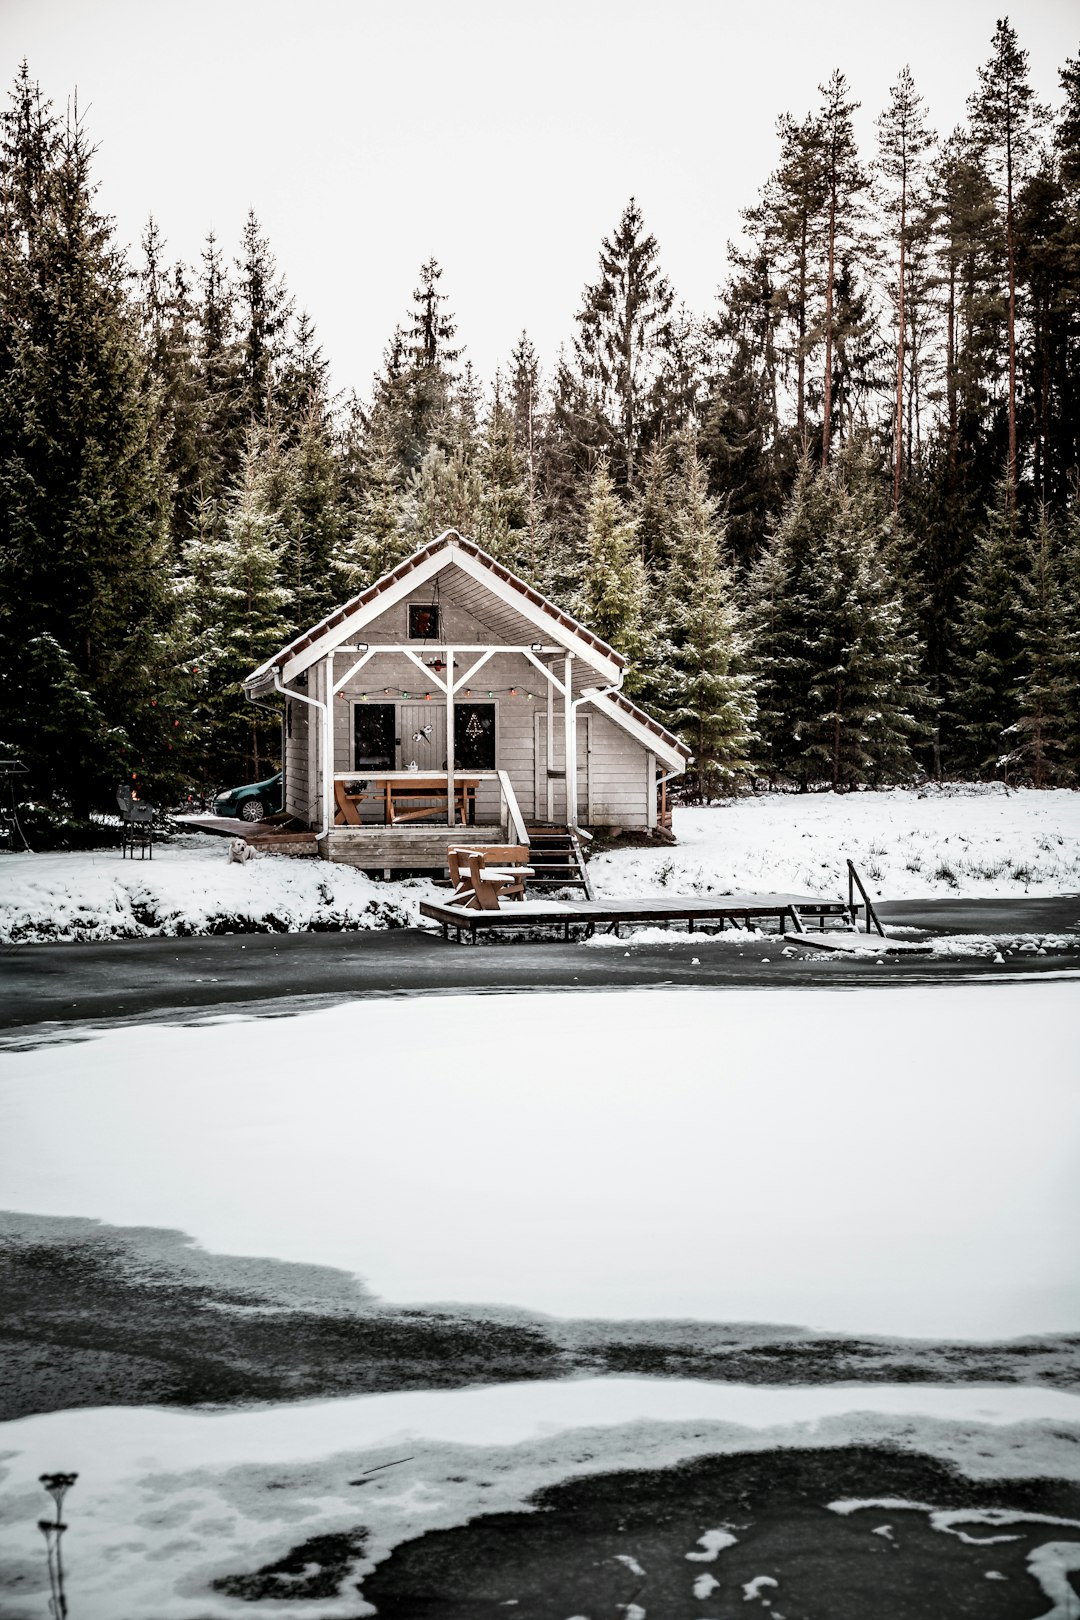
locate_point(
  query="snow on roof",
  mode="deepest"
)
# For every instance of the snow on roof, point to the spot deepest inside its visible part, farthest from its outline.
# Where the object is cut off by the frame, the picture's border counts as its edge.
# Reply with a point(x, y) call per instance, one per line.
point(449, 541)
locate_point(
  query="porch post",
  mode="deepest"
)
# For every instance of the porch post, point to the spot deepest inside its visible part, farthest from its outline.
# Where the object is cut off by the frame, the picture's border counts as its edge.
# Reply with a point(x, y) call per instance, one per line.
point(328, 743)
point(450, 805)
point(569, 745)
point(550, 752)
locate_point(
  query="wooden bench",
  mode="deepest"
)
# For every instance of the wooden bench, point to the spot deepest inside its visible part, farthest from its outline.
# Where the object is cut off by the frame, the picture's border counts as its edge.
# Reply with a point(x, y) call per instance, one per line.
point(483, 877)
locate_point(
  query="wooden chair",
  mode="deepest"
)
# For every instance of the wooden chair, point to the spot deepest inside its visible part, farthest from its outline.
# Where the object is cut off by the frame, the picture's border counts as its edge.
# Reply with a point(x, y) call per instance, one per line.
point(485, 876)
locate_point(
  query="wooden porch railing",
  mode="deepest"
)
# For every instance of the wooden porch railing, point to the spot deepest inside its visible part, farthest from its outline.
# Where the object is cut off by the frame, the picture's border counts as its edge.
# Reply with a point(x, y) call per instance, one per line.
point(514, 819)
point(509, 811)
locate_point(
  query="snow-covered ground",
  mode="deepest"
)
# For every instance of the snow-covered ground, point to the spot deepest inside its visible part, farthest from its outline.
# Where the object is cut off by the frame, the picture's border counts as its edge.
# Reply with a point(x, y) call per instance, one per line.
point(167, 1501)
point(900, 1161)
point(957, 842)
point(190, 887)
point(906, 844)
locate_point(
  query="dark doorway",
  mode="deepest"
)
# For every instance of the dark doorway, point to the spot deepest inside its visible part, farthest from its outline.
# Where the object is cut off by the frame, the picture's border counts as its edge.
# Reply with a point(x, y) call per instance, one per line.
point(474, 736)
point(373, 737)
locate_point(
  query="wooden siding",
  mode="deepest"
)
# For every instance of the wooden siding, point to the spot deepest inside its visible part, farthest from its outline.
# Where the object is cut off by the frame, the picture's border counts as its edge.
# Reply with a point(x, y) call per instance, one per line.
point(297, 763)
point(616, 777)
point(415, 848)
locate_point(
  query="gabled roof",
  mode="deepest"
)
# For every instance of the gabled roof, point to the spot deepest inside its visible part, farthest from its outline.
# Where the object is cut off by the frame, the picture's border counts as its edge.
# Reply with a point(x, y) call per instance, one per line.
point(627, 714)
point(447, 549)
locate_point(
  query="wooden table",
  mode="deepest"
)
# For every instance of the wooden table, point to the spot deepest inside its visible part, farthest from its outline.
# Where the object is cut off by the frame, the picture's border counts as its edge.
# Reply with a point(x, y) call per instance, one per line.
point(401, 796)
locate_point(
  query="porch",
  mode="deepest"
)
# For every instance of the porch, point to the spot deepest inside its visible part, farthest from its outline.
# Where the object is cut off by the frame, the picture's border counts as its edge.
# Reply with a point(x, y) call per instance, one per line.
point(403, 821)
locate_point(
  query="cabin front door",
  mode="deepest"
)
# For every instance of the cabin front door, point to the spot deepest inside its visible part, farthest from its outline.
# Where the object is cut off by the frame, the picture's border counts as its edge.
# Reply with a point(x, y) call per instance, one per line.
point(421, 737)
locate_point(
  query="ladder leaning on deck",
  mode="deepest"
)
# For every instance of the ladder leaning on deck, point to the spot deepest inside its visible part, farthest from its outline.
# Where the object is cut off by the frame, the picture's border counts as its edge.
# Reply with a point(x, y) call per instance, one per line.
point(557, 862)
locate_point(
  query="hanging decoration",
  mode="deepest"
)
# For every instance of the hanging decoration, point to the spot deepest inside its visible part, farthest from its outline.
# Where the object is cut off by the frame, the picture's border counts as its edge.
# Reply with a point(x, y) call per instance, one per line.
point(423, 735)
point(474, 729)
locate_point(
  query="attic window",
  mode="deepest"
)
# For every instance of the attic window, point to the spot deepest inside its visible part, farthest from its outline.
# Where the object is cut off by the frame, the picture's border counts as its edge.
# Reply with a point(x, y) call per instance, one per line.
point(423, 621)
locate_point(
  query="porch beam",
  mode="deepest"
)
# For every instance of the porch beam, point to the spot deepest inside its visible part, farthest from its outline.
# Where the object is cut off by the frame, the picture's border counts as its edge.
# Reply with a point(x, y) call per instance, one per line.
point(344, 680)
point(548, 674)
point(425, 669)
point(472, 670)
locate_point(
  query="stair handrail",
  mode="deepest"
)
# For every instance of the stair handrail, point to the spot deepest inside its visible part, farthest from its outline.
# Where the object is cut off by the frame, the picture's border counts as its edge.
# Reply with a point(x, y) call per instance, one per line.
point(855, 881)
point(513, 812)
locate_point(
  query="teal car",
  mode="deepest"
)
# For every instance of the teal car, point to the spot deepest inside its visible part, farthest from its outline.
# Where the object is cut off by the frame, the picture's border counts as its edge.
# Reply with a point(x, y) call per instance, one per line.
point(251, 802)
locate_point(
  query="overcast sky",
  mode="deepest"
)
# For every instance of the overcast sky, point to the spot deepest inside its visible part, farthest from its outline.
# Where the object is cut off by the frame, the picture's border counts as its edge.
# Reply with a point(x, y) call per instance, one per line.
point(503, 138)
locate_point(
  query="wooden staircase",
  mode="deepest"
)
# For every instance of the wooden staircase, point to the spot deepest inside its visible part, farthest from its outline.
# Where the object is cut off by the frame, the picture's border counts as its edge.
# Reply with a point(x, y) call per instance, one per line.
point(557, 862)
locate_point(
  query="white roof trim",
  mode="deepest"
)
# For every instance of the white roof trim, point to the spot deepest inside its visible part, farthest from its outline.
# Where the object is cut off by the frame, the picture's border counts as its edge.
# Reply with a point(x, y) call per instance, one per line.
point(671, 757)
point(448, 555)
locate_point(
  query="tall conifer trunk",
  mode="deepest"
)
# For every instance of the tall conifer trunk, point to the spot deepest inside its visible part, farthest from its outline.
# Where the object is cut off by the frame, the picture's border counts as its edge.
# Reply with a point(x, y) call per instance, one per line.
point(826, 419)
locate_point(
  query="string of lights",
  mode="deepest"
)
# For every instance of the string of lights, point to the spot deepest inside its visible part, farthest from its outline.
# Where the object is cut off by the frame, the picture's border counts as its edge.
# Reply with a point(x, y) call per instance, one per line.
point(476, 693)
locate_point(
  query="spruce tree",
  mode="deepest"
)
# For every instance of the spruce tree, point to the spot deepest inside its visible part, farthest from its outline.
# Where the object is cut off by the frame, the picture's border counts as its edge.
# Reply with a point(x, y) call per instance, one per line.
point(613, 583)
point(780, 608)
point(865, 700)
point(1039, 735)
point(989, 659)
point(623, 342)
point(83, 490)
point(244, 616)
point(709, 701)
point(264, 309)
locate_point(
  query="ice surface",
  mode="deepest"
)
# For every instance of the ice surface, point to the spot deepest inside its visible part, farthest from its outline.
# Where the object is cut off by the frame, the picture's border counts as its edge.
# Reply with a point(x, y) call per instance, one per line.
point(166, 1500)
point(901, 1161)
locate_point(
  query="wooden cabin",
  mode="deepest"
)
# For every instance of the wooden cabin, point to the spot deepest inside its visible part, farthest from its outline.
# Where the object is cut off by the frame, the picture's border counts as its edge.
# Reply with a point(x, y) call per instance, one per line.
point(448, 695)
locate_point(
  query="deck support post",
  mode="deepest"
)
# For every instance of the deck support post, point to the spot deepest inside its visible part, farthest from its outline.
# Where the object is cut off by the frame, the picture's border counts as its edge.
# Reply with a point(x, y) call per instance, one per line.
point(451, 807)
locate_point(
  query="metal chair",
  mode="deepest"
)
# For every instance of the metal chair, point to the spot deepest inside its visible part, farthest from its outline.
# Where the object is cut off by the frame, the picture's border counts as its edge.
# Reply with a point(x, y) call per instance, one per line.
point(136, 824)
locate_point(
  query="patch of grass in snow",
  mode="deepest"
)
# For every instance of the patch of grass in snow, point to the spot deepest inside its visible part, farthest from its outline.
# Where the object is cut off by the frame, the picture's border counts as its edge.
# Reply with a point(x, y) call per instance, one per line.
point(944, 873)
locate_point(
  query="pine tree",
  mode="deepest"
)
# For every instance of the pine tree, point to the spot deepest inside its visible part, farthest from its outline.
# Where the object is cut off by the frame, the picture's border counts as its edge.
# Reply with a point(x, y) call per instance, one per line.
point(613, 583)
point(380, 537)
point(82, 486)
point(789, 220)
point(623, 341)
point(244, 616)
point(836, 667)
point(903, 141)
point(1005, 118)
point(989, 660)
point(844, 182)
point(780, 606)
point(864, 696)
point(1039, 734)
point(709, 701)
point(264, 309)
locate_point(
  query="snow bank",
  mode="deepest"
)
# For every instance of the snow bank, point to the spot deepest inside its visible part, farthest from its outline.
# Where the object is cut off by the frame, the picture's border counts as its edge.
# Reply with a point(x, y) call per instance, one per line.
point(167, 1501)
point(906, 845)
point(190, 887)
point(889, 1161)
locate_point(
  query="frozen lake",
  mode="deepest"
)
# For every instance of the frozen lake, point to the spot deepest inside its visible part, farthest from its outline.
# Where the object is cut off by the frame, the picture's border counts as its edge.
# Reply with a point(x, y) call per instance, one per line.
point(902, 1161)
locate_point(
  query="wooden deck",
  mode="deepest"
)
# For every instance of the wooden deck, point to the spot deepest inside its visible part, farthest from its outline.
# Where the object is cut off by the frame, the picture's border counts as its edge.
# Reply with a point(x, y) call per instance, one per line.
point(789, 910)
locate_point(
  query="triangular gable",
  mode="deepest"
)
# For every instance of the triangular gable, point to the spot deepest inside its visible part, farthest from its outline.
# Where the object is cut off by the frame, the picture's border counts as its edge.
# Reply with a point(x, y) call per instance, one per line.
point(448, 550)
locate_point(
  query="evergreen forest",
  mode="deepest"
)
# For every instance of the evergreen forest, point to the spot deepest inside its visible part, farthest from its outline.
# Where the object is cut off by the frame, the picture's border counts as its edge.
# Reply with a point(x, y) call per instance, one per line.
point(833, 522)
